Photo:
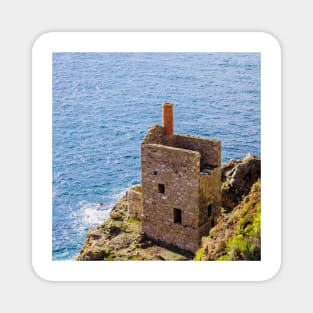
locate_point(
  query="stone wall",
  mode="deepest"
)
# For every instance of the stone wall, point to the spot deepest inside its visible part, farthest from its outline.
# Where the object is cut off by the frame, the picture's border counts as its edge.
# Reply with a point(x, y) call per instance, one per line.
point(178, 171)
point(154, 135)
point(210, 193)
point(134, 198)
point(210, 149)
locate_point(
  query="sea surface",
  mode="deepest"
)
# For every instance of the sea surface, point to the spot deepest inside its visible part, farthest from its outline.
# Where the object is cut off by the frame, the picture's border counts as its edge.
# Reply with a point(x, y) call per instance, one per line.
point(104, 103)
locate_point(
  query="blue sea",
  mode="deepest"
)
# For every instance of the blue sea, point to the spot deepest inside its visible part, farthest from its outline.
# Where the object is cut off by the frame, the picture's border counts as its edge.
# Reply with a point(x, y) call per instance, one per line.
point(104, 103)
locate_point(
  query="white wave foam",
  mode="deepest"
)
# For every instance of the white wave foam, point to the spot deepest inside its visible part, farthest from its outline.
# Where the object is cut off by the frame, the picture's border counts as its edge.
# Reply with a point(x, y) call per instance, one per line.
point(94, 213)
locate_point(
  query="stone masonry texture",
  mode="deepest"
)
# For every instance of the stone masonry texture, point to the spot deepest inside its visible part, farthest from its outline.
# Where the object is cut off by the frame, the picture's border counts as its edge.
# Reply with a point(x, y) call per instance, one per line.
point(180, 173)
point(134, 198)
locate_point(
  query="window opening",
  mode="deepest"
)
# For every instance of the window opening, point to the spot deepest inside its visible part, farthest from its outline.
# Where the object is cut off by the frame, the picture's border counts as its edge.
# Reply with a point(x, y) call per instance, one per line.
point(210, 209)
point(177, 216)
point(161, 188)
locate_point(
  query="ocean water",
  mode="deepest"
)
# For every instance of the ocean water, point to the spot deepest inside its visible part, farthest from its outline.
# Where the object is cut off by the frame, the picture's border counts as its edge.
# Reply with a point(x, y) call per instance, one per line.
point(104, 103)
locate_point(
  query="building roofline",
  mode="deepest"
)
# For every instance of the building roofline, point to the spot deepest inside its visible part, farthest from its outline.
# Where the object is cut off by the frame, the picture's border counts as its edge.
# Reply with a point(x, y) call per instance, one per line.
point(174, 148)
point(161, 128)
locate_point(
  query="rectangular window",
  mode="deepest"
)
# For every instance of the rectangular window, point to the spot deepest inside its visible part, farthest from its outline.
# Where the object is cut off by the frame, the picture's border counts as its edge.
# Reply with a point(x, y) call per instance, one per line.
point(161, 188)
point(177, 216)
point(209, 209)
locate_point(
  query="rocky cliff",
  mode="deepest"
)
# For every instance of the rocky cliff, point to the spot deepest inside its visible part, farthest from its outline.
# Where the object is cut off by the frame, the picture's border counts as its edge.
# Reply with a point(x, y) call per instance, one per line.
point(236, 236)
point(238, 176)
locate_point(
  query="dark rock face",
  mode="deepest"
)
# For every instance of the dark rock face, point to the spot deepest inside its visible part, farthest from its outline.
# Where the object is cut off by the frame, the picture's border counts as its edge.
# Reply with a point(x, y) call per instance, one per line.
point(237, 179)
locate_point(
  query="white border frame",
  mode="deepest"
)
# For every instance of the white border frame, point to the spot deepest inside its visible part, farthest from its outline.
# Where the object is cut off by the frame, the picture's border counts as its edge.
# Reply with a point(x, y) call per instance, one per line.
point(270, 51)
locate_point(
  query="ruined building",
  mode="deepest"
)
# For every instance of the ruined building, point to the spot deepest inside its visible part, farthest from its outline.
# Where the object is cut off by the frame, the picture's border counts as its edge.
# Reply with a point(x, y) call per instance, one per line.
point(180, 196)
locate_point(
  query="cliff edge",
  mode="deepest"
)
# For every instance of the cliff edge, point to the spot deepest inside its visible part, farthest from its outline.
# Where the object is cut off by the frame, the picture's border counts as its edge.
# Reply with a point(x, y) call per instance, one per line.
point(119, 238)
point(236, 235)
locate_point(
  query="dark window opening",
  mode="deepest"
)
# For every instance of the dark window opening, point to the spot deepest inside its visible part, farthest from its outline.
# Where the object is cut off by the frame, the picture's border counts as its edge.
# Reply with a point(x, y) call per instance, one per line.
point(177, 216)
point(210, 209)
point(212, 222)
point(155, 172)
point(161, 188)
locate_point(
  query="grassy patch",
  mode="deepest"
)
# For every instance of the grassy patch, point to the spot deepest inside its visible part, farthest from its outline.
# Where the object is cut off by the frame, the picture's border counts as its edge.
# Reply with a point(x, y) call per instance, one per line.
point(125, 228)
point(223, 210)
point(199, 254)
point(225, 185)
point(111, 257)
point(256, 223)
point(224, 258)
point(246, 243)
point(241, 248)
point(133, 220)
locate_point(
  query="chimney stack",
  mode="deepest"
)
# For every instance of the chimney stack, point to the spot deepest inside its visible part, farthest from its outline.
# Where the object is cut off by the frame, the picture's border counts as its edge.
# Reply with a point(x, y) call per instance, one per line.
point(167, 114)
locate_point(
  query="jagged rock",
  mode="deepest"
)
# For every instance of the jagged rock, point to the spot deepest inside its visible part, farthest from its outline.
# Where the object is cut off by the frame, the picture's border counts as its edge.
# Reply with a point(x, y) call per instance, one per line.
point(237, 179)
point(116, 215)
point(237, 234)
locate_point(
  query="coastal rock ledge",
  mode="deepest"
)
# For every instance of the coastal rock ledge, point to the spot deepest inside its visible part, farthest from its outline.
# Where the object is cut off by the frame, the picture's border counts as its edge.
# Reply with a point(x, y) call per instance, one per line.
point(236, 236)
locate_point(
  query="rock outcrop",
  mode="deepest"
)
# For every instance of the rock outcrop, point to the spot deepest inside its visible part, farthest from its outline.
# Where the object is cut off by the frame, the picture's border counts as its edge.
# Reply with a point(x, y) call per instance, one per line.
point(238, 178)
point(237, 234)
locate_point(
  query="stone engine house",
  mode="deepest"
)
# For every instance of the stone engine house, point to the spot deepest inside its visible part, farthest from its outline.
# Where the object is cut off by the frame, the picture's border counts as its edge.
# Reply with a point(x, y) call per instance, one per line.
point(180, 196)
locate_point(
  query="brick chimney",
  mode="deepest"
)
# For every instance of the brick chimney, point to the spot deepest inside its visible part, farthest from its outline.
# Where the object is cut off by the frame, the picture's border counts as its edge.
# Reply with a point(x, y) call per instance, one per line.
point(167, 114)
